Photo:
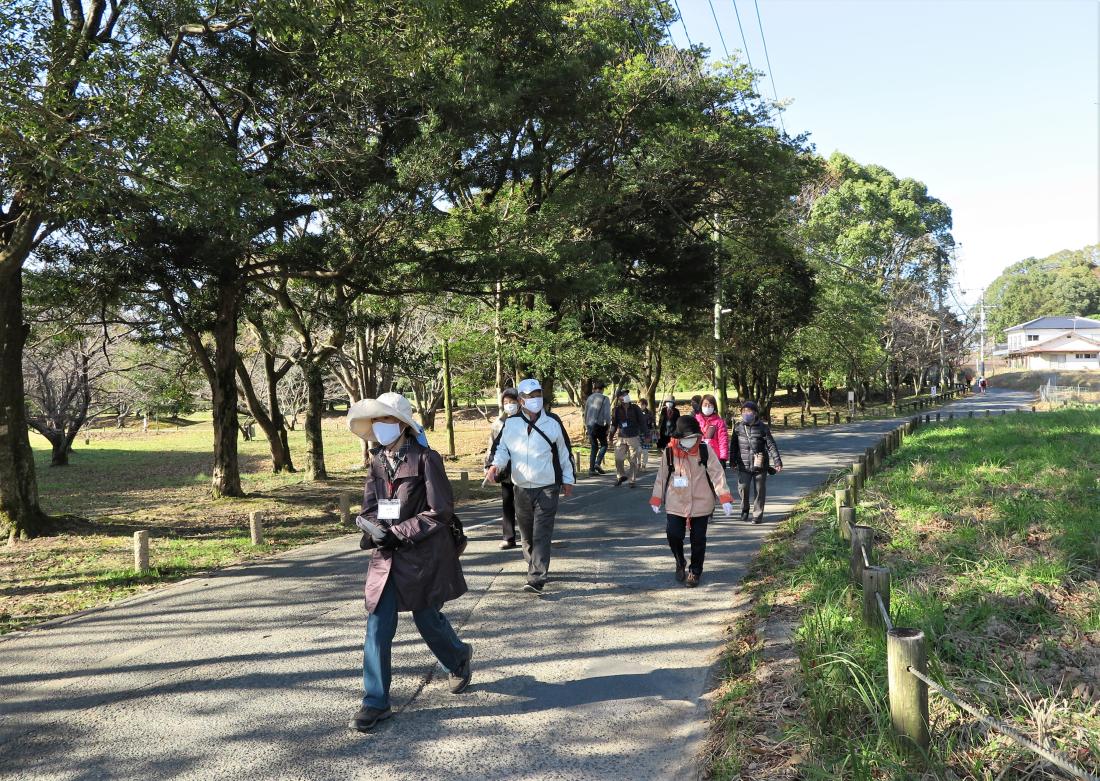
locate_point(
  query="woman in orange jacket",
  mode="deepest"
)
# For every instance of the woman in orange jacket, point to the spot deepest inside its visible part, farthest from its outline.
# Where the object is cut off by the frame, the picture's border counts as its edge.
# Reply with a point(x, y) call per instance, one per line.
point(688, 482)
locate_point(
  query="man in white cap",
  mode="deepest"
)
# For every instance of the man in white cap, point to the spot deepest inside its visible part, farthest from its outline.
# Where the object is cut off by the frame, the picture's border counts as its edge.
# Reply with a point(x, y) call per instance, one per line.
point(537, 447)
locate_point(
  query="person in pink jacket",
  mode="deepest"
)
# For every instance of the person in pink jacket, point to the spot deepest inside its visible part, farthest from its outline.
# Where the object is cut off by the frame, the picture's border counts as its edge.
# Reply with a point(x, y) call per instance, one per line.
point(688, 483)
point(716, 435)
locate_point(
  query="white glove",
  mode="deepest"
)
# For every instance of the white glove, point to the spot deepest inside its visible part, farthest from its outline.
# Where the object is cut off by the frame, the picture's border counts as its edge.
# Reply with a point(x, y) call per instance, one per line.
point(656, 509)
point(727, 508)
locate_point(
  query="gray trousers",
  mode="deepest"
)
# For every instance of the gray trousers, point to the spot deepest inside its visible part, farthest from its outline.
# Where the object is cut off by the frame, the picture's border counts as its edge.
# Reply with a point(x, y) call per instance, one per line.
point(535, 512)
point(746, 482)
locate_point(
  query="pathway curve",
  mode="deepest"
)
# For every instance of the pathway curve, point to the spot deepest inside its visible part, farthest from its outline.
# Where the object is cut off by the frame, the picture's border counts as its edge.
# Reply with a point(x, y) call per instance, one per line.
point(253, 671)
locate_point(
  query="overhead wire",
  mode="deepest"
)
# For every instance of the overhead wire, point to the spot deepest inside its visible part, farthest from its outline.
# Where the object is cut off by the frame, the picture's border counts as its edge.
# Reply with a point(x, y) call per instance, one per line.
point(744, 40)
point(767, 59)
point(718, 26)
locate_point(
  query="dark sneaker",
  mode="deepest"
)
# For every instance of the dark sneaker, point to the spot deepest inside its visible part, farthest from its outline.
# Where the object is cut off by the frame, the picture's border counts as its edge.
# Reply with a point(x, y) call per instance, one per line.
point(460, 678)
point(693, 579)
point(506, 544)
point(744, 517)
point(533, 588)
point(681, 573)
point(592, 473)
point(599, 471)
point(758, 519)
point(620, 481)
point(365, 719)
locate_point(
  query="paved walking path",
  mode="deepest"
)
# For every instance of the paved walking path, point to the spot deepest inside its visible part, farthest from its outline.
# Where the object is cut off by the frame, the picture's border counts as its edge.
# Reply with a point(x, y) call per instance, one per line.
point(253, 671)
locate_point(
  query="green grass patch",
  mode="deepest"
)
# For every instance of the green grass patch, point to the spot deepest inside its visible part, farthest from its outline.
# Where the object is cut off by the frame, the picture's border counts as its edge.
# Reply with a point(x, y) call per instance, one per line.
point(991, 529)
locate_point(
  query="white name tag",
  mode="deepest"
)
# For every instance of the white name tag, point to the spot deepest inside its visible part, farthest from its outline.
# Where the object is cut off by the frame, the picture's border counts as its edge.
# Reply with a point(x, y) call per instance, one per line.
point(389, 510)
point(680, 481)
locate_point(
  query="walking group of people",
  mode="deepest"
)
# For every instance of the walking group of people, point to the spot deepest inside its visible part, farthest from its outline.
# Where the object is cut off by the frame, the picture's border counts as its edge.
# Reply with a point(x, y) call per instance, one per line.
point(414, 538)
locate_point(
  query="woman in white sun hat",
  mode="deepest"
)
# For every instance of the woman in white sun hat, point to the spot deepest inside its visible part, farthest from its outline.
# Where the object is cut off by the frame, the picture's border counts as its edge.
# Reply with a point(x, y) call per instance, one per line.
point(407, 510)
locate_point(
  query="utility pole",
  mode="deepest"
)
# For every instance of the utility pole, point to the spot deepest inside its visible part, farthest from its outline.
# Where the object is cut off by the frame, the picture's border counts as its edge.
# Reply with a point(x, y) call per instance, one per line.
point(981, 333)
point(719, 372)
point(448, 412)
point(939, 292)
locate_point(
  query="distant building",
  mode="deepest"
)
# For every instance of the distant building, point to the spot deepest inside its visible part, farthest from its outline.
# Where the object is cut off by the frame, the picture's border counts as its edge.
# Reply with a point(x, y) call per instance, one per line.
point(1054, 343)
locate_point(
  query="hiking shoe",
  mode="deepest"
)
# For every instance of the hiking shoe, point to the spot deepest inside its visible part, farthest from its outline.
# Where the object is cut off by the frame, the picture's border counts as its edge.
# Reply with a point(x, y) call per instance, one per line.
point(744, 517)
point(681, 573)
point(533, 588)
point(460, 678)
point(693, 579)
point(365, 719)
point(600, 471)
point(506, 544)
point(620, 481)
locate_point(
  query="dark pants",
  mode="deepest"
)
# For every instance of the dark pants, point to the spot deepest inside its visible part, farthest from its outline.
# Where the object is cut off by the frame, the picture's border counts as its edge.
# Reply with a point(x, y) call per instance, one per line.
point(508, 510)
point(675, 529)
point(382, 626)
point(536, 509)
point(746, 484)
point(597, 446)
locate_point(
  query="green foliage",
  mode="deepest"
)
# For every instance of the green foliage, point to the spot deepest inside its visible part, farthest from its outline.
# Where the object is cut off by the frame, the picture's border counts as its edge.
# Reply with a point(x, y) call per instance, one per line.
point(1065, 283)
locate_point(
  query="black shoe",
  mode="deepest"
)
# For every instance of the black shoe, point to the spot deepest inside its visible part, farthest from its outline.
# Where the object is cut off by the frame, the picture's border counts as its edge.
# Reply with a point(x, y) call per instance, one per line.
point(506, 544)
point(693, 580)
point(600, 471)
point(744, 517)
point(460, 678)
point(681, 573)
point(592, 473)
point(620, 481)
point(533, 588)
point(758, 519)
point(365, 719)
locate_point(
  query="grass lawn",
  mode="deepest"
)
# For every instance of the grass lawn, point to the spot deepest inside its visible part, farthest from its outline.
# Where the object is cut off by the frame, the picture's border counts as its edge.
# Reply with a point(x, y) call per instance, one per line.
point(991, 529)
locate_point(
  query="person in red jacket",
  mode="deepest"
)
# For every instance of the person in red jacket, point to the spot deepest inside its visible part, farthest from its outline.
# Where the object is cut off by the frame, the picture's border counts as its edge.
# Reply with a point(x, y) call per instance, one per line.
point(715, 433)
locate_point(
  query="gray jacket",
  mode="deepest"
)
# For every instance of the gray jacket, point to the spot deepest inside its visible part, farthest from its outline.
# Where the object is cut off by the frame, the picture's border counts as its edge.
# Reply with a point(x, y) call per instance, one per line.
point(597, 410)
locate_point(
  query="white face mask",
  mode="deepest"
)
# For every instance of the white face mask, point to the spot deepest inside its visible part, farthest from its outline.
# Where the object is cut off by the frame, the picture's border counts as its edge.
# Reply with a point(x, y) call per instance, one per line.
point(533, 405)
point(626, 398)
point(511, 407)
point(386, 433)
point(708, 410)
point(687, 443)
point(669, 404)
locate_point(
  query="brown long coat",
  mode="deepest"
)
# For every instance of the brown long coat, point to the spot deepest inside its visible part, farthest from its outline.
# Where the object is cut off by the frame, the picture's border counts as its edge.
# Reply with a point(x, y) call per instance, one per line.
point(425, 569)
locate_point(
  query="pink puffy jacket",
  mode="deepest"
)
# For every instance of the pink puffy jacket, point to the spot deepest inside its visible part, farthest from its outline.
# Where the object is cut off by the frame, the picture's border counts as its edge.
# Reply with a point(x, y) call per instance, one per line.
point(715, 434)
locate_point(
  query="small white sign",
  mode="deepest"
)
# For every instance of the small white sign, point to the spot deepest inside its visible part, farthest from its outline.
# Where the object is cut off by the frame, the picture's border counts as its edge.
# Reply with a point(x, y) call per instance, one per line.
point(851, 396)
point(935, 390)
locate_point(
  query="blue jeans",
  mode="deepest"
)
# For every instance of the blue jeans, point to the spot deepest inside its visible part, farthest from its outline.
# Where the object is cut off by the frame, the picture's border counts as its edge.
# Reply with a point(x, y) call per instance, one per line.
point(382, 626)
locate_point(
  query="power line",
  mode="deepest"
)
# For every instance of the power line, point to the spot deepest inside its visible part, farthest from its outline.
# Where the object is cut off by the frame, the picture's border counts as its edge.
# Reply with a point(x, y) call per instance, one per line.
point(744, 40)
point(683, 23)
point(767, 59)
point(721, 37)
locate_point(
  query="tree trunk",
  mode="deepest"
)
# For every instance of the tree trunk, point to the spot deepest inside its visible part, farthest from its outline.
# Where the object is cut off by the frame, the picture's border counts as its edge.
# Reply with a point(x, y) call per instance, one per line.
point(226, 473)
point(315, 405)
point(272, 425)
point(20, 514)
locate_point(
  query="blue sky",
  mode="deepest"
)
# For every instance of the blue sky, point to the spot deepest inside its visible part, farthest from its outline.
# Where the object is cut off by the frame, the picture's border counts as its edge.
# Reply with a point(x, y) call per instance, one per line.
point(991, 103)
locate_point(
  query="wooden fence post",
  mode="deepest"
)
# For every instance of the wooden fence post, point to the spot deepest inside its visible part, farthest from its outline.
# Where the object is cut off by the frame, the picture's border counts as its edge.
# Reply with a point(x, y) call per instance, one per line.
point(862, 537)
point(876, 583)
point(908, 694)
point(846, 517)
point(345, 508)
point(464, 485)
point(853, 489)
point(256, 528)
point(141, 551)
point(858, 471)
point(577, 464)
point(842, 499)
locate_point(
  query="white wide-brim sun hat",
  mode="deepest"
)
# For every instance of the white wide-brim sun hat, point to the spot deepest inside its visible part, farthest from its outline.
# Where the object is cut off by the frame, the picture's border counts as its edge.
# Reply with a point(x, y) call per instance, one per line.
point(363, 413)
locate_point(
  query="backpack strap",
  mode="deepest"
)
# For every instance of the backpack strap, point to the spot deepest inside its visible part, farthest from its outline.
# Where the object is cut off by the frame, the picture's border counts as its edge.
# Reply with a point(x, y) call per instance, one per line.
point(704, 455)
point(668, 472)
point(558, 474)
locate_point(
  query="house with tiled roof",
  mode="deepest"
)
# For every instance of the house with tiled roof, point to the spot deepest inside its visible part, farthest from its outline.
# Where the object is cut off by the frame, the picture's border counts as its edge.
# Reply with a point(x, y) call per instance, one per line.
point(1055, 343)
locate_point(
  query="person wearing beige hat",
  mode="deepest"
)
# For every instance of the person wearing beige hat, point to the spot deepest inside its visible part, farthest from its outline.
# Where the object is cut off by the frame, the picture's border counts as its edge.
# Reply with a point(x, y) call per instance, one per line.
point(408, 507)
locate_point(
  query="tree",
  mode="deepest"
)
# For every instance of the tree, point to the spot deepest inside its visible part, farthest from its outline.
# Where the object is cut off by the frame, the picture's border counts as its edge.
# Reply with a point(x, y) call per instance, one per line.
point(1065, 283)
point(64, 107)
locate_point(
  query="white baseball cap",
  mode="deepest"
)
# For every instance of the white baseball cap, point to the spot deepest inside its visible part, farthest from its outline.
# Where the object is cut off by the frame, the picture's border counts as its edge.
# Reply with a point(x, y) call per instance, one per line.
point(528, 386)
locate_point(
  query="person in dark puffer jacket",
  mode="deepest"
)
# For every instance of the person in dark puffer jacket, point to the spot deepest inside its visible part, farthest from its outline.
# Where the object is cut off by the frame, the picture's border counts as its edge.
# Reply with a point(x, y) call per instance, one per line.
point(755, 455)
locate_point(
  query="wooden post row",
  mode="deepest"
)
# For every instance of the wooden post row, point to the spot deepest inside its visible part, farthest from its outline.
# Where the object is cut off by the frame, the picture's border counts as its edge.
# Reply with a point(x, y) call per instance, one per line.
point(905, 649)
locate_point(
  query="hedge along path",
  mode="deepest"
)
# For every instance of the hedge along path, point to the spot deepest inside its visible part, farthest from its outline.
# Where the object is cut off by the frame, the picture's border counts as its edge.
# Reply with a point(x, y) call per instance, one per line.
point(907, 653)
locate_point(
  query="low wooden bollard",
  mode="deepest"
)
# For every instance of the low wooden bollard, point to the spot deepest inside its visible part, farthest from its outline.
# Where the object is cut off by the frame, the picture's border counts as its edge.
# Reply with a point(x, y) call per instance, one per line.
point(858, 472)
point(345, 509)
point(971, 414)
point(950, 415)
point(853, 488)
point(256, 528)
point(988, 413)
point(905, 649)
point(876, 583)
point(577, 464)
point(846, 517)
point(141, 551)
point(863, 537)
point(1033, 409)
point(879, 454)
point(841, 498)
point(464, 484)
